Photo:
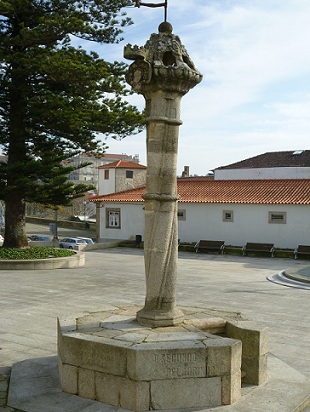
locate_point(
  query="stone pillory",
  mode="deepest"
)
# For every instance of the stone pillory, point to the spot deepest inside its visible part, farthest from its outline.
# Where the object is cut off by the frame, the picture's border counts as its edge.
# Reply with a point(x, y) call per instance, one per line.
point(126, 356)
point(162, 72)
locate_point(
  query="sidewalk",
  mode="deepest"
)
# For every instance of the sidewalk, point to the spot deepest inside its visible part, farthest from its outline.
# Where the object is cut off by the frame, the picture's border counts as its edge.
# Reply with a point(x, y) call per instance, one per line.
point(30, 302)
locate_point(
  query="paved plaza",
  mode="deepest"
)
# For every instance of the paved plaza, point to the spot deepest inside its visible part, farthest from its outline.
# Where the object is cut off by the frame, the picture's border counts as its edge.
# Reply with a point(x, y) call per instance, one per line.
point(31, 301)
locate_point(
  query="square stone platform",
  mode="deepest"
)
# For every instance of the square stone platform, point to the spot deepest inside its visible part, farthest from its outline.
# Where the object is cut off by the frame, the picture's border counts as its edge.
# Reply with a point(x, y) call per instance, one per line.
point(109, 357)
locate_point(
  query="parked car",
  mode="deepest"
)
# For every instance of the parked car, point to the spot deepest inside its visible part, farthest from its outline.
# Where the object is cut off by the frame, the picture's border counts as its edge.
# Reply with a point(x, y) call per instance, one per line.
point(88, 240)
point(72, 243)
point(1, 240)
point(39, 238)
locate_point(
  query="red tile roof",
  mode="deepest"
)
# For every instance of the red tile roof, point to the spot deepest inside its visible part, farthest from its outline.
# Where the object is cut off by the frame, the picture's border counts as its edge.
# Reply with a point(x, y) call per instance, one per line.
point(122, 164)
point(290, 191)
point(297, 158)
point(131, 195)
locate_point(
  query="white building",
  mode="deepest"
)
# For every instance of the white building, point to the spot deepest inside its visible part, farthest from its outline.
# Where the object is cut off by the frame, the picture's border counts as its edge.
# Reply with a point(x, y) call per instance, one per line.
point(271, 211)
point(272, 165)
point(235, 210)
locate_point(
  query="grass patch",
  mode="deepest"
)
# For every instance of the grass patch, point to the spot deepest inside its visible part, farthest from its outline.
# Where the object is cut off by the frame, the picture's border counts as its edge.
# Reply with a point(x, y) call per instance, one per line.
point(33, 252)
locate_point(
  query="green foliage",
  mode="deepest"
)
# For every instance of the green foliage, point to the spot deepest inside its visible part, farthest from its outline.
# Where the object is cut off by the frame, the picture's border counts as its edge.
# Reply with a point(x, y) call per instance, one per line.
point(34, 252)
point(56, 99)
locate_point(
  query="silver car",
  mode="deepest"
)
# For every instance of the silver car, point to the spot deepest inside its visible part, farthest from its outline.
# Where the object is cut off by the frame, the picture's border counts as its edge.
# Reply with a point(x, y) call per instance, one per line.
point(72, 243)
point(88, 240)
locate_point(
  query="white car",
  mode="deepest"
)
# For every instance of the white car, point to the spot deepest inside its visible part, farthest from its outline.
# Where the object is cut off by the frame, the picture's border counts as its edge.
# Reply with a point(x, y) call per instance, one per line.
point(1, 240)
point(72, 243)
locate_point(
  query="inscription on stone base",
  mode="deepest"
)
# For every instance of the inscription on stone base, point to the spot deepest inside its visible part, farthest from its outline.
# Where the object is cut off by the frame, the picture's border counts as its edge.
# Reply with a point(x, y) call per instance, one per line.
point(166, 360)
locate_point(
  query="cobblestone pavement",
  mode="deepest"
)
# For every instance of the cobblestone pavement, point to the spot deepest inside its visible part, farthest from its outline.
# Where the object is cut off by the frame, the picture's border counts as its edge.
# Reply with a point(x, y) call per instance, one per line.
point(32, 228)
point(4, 387)
point(30, 301)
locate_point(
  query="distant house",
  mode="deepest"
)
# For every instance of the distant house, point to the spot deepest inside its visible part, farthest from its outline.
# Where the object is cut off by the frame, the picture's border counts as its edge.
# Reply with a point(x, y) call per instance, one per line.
point(89, 174)
point(273, 165)
point(120, 175)
point(236, 211)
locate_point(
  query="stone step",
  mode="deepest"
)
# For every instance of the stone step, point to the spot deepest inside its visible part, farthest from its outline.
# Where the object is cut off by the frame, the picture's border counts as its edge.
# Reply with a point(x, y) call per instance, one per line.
point(35, 387)
point(286, 390)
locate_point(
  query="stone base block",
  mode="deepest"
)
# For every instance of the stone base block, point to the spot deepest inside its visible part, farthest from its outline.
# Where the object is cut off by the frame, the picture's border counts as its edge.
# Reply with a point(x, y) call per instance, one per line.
point(185, 393)
point(122, 392)
point(109, 357)
point(254, 350)
point(157, 318)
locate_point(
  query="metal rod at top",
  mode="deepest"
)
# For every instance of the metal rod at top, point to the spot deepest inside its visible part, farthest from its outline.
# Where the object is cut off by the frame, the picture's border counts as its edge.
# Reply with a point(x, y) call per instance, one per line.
point(165, 5)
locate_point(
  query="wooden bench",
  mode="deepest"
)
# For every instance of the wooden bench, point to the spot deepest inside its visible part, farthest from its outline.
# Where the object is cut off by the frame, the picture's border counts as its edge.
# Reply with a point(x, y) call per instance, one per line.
point(212, 245)
point(302, 250)
point(258, 247)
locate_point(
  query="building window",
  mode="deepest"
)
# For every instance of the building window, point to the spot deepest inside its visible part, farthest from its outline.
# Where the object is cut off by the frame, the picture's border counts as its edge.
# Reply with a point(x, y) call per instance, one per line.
point(113, 218)
point(106, 174)
point(129, 174)
point(181, 214)
point(228, 215)
point(276, 217)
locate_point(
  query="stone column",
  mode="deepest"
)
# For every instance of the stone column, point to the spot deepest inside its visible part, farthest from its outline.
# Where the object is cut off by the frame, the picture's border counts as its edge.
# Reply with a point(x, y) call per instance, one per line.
point(163, 73)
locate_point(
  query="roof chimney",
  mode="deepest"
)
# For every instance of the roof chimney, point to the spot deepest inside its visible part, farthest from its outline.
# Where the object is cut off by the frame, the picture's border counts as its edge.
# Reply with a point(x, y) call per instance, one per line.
point(185, 172)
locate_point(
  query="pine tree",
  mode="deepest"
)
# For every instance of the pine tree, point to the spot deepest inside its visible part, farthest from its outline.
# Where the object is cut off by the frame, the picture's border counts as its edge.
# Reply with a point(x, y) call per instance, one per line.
point(56, 98)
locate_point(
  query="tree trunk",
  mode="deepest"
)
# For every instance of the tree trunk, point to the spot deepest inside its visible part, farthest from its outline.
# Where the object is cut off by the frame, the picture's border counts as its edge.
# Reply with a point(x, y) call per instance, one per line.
point(15, 234)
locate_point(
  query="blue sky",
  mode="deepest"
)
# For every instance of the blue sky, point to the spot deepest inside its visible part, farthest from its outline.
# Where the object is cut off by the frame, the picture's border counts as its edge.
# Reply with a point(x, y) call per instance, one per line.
point(255, 94)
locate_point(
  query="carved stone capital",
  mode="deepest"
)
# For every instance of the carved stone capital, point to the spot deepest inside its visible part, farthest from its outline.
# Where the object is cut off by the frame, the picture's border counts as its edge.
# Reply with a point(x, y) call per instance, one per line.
point(162, 63)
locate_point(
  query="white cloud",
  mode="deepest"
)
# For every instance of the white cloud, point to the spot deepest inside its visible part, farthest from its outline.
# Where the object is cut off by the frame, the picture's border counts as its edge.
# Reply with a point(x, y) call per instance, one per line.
point(296, 110)
point(255, 59)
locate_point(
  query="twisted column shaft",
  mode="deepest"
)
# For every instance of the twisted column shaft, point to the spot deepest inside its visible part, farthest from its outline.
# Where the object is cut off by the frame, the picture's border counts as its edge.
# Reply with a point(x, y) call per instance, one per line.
point(161, 226)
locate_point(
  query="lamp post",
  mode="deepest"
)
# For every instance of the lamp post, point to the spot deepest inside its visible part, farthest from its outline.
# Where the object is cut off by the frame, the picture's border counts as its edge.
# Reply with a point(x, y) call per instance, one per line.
point(84, 209)
point(56, 224)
